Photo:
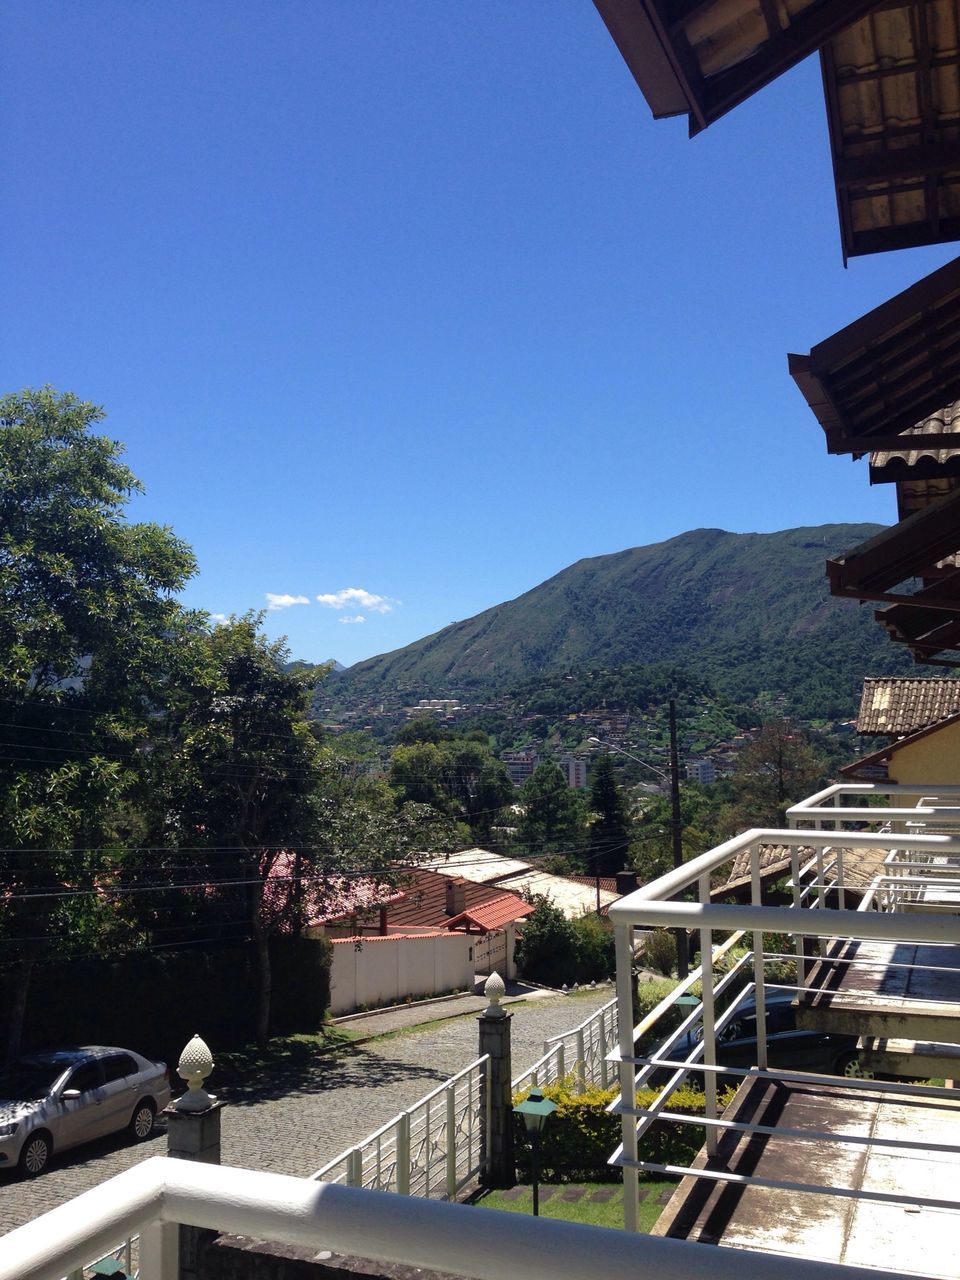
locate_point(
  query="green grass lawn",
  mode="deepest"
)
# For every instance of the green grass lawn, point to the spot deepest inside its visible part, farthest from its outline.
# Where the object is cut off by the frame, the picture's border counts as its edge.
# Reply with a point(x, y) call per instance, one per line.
point(586, 1209)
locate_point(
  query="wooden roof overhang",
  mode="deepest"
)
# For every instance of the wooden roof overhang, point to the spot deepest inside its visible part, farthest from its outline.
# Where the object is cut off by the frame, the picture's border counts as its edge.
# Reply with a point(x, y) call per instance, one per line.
point(873, 380)
point(701, 58)
point(922, 546)
point(892, 91)
point(926, 632)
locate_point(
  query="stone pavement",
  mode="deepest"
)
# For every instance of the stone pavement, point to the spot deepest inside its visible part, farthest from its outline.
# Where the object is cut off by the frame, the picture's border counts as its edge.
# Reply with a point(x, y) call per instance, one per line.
point(297, 1119)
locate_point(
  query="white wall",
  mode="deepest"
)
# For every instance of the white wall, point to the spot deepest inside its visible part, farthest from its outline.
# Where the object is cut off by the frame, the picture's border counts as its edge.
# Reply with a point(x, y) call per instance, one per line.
point(388, 969)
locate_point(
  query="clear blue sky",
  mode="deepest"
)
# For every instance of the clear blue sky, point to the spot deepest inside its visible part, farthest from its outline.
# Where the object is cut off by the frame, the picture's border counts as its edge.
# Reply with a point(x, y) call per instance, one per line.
point(414, 299)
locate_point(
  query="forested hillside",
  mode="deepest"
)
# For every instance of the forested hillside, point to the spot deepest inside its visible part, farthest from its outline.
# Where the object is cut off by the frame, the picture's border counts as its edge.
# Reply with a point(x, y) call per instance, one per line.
point(751, 613)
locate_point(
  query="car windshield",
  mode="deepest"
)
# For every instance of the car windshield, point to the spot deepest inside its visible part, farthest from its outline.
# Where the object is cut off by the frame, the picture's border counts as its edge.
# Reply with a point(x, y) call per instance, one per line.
point(28, 1081)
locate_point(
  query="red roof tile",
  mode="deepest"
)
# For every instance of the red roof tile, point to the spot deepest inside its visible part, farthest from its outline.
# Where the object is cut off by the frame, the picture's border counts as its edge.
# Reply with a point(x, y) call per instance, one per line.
point(494, 914)
point(425, 901)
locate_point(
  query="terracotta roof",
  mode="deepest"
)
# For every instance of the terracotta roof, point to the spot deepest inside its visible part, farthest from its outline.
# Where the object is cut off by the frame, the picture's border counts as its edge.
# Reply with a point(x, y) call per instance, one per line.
point(892, 706)
point(608, 884)
point(424, 904)
point(774, 858)
point(495, 914)
point(916, 460)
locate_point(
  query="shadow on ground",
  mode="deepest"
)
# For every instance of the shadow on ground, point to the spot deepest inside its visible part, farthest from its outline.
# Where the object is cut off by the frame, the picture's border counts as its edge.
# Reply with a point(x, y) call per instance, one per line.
point(292, 1067)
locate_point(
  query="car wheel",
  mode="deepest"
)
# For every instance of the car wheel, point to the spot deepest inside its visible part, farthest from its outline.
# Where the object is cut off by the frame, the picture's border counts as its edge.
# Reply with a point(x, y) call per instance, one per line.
point(141, 1122)
point(35, 1154)
point(848, 1064)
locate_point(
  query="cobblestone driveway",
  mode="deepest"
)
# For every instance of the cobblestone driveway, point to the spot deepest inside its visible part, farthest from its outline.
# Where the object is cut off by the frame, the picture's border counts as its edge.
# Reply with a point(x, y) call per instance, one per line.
point(296, 1123)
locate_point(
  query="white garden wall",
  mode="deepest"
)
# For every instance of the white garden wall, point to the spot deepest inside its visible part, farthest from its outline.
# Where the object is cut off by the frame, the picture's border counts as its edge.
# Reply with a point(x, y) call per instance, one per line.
point(387, 969)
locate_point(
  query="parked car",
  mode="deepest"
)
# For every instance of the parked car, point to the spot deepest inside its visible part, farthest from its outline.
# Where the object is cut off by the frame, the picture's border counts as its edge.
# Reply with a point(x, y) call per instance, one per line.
point(62, 1098)
point(789, 1047)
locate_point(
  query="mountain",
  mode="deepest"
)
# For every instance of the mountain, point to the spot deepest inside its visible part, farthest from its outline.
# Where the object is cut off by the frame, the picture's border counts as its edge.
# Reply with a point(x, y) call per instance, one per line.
point(751, 612)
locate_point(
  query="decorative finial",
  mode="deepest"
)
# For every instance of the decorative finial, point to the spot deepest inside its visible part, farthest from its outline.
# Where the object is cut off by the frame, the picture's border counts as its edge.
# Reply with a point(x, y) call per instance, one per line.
point(196, 1063)
point(494, 989)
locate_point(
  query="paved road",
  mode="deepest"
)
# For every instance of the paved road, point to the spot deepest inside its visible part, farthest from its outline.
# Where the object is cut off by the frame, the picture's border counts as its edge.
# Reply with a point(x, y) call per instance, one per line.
point(296, 1119)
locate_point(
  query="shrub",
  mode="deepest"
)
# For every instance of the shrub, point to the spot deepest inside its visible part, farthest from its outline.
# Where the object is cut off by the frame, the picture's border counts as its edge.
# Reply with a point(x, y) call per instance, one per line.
point(581, 1135)
point(555, 950)
point(660, 951)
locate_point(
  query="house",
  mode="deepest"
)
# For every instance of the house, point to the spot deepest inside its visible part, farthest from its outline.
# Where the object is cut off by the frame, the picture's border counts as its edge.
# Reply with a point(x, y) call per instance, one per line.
point(427, 903)
point(515, 875)
point(921, 717)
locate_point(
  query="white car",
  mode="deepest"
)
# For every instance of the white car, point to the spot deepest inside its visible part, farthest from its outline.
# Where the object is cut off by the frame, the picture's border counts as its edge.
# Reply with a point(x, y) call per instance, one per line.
point(61, 1098)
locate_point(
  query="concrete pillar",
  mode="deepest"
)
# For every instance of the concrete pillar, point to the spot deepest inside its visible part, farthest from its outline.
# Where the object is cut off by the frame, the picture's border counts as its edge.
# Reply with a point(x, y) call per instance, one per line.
point(193, 1133)
point(496, 1103)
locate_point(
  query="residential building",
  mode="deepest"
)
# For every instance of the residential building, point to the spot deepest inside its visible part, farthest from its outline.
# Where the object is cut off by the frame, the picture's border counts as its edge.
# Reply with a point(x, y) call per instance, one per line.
point(520, 764)
point(703, 771)
point(575, 770)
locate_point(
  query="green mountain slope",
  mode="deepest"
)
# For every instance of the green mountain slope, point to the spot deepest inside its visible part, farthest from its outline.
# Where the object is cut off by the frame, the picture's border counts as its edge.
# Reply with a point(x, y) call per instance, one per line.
point(751, 612)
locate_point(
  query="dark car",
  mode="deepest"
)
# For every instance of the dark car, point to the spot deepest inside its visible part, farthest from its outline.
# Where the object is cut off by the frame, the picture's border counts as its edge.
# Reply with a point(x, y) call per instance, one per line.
point(789, 1047)
point(64, 1097)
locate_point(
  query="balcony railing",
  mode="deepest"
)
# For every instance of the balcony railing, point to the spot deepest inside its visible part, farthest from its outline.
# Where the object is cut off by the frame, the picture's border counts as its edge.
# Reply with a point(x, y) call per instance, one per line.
point(432, 1149)
point(155, 1197)
point(436, 1147)
point(661, 904)
point(582, 1054)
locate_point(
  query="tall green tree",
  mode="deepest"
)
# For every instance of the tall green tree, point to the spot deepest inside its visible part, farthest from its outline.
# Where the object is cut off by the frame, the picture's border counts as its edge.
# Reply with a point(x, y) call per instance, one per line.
point(88, 627)
point(459, 777)
point(243, 774)
point(554, 815)
point(610, 829)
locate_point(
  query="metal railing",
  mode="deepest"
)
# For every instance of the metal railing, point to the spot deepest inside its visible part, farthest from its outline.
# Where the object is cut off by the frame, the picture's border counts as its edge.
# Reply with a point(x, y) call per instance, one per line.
point(432, 1149)
point(437, 1146)
point(656, 904)
point(830, 809)
point(580, 1055)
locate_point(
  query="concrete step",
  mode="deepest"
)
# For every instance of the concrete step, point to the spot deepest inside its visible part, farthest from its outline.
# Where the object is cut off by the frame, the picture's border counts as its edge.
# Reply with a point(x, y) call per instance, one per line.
point(879, 1016)
point(911, 1058)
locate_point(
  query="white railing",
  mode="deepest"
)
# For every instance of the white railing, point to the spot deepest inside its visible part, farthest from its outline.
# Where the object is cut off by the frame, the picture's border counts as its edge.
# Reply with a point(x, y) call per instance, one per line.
point(655, 904)
point(582, 1055)
point(432, 1149)
point(830, 809)
point(158, 1195)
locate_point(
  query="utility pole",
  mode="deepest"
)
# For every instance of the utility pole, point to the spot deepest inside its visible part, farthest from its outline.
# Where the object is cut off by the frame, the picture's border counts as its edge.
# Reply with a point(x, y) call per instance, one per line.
point(676, 829)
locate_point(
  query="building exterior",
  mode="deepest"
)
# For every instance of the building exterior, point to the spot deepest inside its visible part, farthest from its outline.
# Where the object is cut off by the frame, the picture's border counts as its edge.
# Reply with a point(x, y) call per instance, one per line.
point(703, 771)
point(520, 764)
point(575, 771)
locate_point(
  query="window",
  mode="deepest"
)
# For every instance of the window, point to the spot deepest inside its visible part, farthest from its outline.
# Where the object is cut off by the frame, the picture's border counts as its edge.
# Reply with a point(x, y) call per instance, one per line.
point(119, 1065)
point(85, 1077)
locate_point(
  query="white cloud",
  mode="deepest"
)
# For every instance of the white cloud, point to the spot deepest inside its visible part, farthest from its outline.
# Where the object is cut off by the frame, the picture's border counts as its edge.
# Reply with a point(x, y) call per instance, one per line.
point(352, 617)
point(275, 601)
point(357, 597)
point(218, 618)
